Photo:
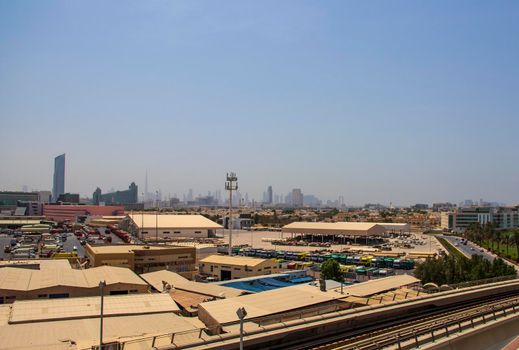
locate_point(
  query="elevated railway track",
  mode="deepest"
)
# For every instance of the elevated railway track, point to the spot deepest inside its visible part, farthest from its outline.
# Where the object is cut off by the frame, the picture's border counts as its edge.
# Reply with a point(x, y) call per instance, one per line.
point(422, 329)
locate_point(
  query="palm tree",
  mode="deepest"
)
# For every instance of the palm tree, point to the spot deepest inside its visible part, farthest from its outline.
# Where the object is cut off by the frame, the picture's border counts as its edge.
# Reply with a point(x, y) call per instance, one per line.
point(498, 236)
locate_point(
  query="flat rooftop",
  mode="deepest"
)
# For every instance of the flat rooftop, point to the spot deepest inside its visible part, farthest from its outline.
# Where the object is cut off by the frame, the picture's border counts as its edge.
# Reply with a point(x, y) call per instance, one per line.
point(128, 248)
point(232, 260)
point(84, 333)
point(74, 308)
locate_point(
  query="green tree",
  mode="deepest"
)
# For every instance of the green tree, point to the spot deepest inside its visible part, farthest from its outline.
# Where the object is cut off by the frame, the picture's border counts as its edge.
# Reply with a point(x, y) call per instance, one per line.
point(331, 270)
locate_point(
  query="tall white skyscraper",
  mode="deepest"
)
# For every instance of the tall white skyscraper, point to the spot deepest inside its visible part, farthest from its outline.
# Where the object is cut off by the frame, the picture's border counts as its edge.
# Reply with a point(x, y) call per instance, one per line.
point(58, 186)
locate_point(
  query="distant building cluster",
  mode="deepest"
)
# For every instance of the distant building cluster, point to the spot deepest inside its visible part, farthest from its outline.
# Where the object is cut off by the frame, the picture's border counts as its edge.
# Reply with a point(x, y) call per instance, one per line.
point(129, 196)
point(461, 218)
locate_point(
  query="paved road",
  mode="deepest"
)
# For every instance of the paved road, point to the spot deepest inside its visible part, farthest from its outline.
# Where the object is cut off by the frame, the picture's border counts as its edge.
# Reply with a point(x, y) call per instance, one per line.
point(4, 240)
point(469, 249)
point(72, 242)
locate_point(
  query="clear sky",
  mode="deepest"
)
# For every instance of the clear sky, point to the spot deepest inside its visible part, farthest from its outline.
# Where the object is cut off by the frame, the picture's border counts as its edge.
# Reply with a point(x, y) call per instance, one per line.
point(378, 101)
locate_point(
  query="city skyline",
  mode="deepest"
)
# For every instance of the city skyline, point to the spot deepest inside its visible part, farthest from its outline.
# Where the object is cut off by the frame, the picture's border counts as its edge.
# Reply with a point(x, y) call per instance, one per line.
point(375, 103)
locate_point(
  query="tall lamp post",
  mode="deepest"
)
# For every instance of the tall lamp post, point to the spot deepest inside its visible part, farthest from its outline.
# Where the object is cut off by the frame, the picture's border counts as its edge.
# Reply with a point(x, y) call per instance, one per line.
point(156, 217)
point(231, 185)
point(241, 313)
point(102, 285)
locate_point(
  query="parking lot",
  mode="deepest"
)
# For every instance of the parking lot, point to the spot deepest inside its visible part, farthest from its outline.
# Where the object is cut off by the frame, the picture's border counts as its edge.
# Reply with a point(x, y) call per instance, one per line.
point(262, 239)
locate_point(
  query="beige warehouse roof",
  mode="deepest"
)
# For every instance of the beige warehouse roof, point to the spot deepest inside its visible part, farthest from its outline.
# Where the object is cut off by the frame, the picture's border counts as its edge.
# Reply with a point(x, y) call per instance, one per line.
point(13, 278)
point(19, 222)
point(172, 221)
point(128, 248)
point(85, 332)
point(379, 285)
point(335, 228)
point(232, 260)
point(267, 303)
point(73, 308)
point(178, 282)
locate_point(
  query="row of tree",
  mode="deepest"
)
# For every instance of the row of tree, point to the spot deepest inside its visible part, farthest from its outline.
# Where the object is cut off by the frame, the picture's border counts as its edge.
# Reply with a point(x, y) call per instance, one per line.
point(453, 269)
point(480, 233)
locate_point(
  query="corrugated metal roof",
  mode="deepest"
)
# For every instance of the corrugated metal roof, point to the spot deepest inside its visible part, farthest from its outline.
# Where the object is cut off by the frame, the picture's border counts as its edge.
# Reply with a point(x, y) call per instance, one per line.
point(361, 228)
point(128, 248)
point(232, 260)
point(85, 332)
point(173, 221)
point(267, 303)
point(179, 282)
point(73, 308)
point(379, 285)
point(13, 278)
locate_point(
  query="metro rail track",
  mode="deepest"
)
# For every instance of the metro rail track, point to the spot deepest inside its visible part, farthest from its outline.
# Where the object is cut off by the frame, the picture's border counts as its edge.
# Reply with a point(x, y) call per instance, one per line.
point(410, 331)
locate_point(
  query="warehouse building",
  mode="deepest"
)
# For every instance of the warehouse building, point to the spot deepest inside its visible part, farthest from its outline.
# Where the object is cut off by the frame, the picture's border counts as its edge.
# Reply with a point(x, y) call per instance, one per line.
point(157, 226)
point(53, 281)
point(78, 213)
point(188, 294)
point(144, 258)
point(342, 229)
point(304, 298)
point(74, 323)
point(224, 267)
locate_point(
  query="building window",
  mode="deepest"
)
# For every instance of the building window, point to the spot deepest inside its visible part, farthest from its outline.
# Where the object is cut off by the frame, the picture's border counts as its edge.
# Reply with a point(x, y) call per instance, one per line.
point(42, 295)
point(237, 269)
point(198, 231)
point(176, 231)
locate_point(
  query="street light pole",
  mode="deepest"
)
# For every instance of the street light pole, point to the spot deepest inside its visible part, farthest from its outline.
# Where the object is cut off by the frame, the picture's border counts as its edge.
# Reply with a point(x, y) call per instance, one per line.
point(231, 185)
point(102, 285)
point(156, 217)
point(241, 315)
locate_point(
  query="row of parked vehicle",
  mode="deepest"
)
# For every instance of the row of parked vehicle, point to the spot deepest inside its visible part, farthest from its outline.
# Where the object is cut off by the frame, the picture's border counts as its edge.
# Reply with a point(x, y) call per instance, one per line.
point(364, 260)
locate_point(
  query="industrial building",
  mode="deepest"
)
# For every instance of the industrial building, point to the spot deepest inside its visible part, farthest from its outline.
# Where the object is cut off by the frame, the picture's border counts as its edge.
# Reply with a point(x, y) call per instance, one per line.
point(363, 229)
point(188, 294)
point(53, 281)
point(158, 226)
point(78, 213)
point(9, 200)
point(144, 258)
point(301, 298)
point(74, 323)
point(225, 267)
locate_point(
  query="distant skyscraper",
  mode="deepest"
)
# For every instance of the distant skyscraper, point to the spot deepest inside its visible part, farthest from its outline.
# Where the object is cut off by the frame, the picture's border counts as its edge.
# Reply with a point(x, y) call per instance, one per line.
point(59, 177)
point(269, 195)
point(297, 197)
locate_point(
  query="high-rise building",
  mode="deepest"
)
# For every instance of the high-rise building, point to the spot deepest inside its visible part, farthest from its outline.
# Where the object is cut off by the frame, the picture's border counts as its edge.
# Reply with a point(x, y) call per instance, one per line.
point(297, 197)
point(269, 195)
point(129, 196)
point(58, 186)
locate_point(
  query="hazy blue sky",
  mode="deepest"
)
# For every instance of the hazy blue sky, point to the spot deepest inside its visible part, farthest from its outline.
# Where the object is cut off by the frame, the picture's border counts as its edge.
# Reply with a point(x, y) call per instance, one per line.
point(378, 101)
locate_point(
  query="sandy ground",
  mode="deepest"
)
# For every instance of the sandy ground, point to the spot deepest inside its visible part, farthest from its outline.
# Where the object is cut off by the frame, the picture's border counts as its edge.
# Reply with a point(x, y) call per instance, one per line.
point(254, 238)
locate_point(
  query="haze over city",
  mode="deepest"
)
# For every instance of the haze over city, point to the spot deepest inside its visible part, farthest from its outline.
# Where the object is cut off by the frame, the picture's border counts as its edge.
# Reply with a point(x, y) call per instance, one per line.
point(382, 102)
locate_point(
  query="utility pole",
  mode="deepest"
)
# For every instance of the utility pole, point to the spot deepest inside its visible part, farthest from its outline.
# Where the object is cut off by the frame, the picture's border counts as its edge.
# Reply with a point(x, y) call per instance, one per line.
point(156, 217)
point(102, 285)
point(231, 185)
